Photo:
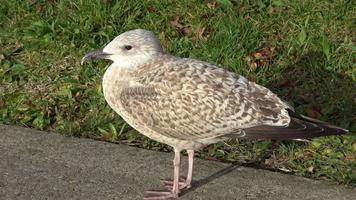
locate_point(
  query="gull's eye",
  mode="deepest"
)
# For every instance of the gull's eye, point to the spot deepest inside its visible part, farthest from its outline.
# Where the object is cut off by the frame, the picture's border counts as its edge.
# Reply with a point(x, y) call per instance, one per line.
point(128, 47)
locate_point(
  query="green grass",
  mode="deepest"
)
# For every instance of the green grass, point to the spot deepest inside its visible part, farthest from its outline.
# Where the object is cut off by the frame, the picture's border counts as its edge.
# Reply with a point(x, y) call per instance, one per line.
point(43, 86)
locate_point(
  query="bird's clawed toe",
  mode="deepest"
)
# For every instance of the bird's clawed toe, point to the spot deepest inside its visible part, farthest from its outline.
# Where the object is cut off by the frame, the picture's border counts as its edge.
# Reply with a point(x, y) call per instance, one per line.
point(183, 184)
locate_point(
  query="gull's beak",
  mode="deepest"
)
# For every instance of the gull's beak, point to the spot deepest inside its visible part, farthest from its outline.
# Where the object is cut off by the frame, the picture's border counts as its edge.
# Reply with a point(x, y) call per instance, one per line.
point(96, 54)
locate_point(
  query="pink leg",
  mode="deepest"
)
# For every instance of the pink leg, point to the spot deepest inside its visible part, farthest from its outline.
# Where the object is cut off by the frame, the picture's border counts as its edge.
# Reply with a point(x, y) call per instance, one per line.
point(190, 168)
point(184, 183)
point(176, 163)
point(173, 193)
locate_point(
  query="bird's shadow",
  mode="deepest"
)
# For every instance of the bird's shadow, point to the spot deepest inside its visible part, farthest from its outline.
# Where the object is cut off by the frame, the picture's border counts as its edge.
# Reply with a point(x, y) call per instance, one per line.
point(232, 166)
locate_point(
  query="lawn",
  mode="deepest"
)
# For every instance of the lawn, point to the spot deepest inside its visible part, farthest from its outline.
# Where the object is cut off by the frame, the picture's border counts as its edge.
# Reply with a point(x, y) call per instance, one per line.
point(302, 50)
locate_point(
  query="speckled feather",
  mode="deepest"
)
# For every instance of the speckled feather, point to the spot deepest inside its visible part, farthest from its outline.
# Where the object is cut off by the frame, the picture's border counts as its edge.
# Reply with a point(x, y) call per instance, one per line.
point(194, 102)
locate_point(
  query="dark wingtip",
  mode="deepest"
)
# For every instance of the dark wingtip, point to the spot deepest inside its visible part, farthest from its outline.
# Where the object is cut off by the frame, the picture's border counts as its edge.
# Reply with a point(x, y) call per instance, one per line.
point(300, 127)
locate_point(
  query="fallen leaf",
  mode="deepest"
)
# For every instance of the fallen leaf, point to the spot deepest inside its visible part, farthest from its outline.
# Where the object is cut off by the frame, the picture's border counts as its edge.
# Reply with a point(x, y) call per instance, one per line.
point(107, 136)
point(265, 53)
point(310, 169)
point(152, 9)
point(349, 157)
point(212, 4)
point(2, 103)
point(200, 32)
point(40, 8)
point(186, 31)
point(261, 58)
point(250, 62)
point(175, 23)
point(312, 112)
point(252, 78)
point(2, 57)
point(181, 28)
point(18, 47)
point(274, 10)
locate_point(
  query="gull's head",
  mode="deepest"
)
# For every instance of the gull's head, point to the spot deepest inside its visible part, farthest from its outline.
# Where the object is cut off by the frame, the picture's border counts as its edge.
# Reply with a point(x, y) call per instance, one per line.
point(129, 49)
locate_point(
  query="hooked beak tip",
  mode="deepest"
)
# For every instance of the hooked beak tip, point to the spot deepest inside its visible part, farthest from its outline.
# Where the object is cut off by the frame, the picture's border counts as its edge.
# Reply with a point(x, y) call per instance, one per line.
point(96, 54)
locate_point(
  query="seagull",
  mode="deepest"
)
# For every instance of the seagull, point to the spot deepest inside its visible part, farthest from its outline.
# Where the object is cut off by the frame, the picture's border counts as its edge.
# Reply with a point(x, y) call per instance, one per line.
point(188, 104)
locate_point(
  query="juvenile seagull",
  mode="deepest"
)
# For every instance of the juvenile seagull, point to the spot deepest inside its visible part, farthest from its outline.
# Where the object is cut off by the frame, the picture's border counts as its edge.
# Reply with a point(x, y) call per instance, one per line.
point(188, 103)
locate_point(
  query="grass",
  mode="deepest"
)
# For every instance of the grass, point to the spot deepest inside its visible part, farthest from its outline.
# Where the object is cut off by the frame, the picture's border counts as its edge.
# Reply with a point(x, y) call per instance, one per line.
point(303, 51)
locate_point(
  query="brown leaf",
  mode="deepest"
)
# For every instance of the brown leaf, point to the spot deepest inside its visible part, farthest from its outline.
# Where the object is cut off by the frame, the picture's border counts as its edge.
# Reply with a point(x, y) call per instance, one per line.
point(349, 157)
point(250, 62)
point(274, 10)
point(310, 169)
point(312, 112)
point(2, 57)
point(265, 53)
point(212, 4)
point(181, 28)
point(200, 32)
point(261, 58)
point(40, 8)
point(152, 9)
point(186, 31)
point(18, 47)
point(252, 78)
point(175, 23)
point(107, 136)
point(2, 103)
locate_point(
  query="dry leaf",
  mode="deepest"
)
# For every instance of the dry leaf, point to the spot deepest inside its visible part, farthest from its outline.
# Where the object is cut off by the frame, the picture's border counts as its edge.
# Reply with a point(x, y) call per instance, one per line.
point(212, 4)
point(265, 53)
point(2, 103)
point(18, 47)
point(186, 31)
point(261, 58)
point(181, 28)
point(40, 8)
point(201, 34)
point(273, 10)
point(252, 78)
point(349, 157)
point(175, 23)
point(2, 57)
point(107, 136)
point(312, 112)
point(250, 62)
point(310, 169)
point(152, 9)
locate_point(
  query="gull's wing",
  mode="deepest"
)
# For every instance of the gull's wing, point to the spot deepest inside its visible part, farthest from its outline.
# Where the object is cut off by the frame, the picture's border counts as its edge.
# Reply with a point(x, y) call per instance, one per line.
point(192, 100)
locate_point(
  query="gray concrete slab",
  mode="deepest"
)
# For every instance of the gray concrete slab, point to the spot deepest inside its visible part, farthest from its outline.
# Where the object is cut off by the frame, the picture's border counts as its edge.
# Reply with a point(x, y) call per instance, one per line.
point(41, 165)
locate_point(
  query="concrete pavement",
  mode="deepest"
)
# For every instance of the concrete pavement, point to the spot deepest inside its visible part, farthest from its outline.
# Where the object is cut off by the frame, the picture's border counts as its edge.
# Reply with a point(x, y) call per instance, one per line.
point(41, 165)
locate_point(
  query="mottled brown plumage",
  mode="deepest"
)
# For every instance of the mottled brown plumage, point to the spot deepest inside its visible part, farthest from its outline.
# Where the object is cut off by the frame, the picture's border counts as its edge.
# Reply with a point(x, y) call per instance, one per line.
point(187, 103)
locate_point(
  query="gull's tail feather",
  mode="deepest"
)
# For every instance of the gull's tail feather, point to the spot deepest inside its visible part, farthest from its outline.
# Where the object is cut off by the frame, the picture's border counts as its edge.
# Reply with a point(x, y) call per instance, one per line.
point(300, 127)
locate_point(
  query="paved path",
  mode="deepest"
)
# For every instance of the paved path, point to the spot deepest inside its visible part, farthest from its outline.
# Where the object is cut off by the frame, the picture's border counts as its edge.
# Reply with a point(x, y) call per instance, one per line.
point(40, 165)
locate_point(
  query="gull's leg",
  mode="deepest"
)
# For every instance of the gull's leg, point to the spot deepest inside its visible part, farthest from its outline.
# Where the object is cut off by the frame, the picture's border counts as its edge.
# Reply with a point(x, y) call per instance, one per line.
point(173, 193)
point(184, 183)
point(188, 182)
point(176, 163)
